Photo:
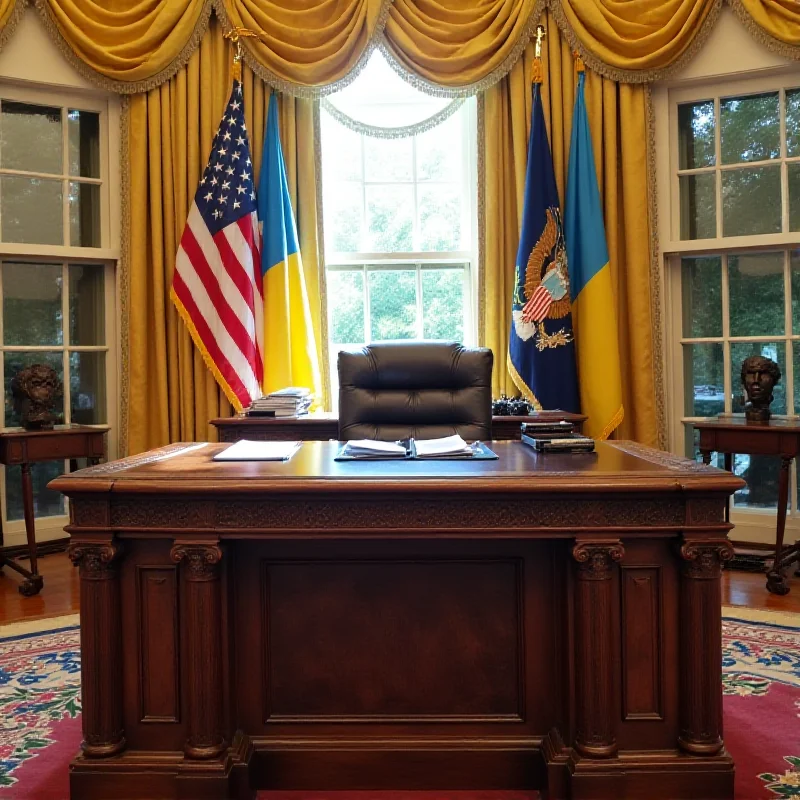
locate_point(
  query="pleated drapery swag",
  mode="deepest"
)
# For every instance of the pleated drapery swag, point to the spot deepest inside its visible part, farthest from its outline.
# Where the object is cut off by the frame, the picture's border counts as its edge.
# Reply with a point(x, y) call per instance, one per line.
point(171, 58)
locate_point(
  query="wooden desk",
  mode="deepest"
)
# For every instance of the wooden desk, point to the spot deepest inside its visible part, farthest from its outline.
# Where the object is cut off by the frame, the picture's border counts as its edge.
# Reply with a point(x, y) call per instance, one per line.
point(777, 437)
point(536, 621)
point(321, 426)
point(24, 447)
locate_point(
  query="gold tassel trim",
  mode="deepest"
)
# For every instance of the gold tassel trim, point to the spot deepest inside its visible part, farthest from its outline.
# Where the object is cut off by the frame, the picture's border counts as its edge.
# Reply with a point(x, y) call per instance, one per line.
point(13, 20)
point(123, 275)
point(579, 67)
point(657, 322)
point(536, 71)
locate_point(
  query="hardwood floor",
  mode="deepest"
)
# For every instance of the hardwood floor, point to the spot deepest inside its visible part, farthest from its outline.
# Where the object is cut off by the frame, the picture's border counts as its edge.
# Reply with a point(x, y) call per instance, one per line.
point(61, 593)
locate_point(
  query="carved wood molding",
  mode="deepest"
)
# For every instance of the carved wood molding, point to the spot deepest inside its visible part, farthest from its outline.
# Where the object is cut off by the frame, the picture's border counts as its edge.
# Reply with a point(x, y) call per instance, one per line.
point(660, 457)
point(595, 558)
point(488, 513)
point(138, 460)
point(201, 559)
point(96, 560)
point(702, 558)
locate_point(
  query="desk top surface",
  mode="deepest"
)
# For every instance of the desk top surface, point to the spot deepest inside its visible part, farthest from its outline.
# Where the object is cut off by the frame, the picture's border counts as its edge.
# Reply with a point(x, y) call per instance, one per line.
point(189, 468)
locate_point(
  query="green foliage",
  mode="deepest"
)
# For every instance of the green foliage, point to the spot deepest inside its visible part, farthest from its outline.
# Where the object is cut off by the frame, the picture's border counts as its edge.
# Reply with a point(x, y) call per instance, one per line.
point(392, 304)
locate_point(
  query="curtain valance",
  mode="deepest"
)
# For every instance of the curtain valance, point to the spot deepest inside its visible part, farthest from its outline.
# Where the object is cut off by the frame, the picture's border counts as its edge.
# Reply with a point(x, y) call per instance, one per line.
point(314, 47)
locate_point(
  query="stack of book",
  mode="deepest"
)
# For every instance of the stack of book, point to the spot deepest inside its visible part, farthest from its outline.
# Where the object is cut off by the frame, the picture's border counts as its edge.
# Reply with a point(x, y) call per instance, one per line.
point(289, 402)
point(555, 437)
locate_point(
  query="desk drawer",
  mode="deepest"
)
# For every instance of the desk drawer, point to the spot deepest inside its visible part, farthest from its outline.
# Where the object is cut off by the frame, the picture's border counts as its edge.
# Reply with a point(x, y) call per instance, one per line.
point(49, 447)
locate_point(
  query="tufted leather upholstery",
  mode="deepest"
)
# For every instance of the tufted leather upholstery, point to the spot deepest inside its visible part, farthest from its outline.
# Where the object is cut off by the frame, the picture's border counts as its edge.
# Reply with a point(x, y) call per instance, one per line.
point(393, 391)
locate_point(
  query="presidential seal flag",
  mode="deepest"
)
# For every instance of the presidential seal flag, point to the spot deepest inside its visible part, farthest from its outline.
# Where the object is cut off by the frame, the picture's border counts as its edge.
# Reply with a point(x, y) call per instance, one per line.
point(541, 350)
point(216, 285)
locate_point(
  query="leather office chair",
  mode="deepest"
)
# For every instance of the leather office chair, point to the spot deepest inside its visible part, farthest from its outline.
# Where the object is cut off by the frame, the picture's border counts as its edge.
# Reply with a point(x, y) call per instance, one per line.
point(422, 389)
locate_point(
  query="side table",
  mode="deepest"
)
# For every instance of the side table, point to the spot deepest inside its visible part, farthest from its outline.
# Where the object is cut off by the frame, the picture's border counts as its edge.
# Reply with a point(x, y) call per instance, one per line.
point(24, 447)
point(777, 437)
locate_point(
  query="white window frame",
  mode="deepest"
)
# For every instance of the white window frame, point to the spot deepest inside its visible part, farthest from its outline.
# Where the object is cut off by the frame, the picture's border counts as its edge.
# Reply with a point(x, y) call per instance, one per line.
point(418, 261)
point(753, 524)
point(106, 255)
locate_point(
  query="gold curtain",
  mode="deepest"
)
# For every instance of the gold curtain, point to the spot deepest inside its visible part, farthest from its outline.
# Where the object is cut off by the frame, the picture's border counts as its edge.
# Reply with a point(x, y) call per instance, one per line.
point(135, 42)
point(451, 44)
point(618, 118)
point(315, 43)
point(642, 35)
point(172, 395)
point(779, 19)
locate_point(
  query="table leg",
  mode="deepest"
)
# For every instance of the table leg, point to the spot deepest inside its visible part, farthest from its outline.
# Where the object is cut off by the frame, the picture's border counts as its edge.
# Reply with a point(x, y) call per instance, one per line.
point(776, 582)
point(33, 584)
point(728, 461)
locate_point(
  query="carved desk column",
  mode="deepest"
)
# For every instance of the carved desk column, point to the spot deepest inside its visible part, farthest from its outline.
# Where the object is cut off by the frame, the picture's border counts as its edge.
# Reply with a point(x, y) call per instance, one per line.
point(101, 646)
point(700, 642)
point(595, 735)
point(202, 620)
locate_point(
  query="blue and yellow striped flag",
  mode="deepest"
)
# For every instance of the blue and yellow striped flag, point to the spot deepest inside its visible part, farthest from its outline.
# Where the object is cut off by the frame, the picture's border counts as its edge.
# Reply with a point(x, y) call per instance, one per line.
point(541, 352)
point(290, 351)
point(594, 318)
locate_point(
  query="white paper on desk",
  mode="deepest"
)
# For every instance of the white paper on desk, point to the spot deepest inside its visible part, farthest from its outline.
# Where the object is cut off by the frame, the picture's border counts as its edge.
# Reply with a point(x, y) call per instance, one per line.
point(446, 446)
point(247, 450)
point(370, 447)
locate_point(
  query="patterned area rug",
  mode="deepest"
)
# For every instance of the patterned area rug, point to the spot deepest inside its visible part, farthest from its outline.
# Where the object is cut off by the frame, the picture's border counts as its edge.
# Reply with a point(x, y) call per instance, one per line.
point(40, 711)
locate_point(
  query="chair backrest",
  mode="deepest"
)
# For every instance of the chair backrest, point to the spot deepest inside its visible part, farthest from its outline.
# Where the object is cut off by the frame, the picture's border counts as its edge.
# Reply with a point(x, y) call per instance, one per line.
point(426, 390)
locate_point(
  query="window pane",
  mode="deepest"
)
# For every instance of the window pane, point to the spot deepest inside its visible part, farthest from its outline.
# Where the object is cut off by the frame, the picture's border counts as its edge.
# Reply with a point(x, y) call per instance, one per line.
point(698, 206)
point(14, 362)
point(439, 156)
point(696, 135)
point(756, 294)
point(701, 286)
point(703, 382)
point(87, 308)
point(346, 302)
point(761, 474)
point(31, 210)
point(83, 128)
point(46, 502)
point(751, 201)
point(32, 304)
point(343, 211)
point(84, 214)
point(750, 128)
point(393, 304)
point(439, 218)
point(341, 151)
point(389, 219)
point(87, 388)
point(742, 350)
point(443, 304)
point(388, 159)
point(795, 276)
point(30, 137)
point(793, 124)
point(794, 197)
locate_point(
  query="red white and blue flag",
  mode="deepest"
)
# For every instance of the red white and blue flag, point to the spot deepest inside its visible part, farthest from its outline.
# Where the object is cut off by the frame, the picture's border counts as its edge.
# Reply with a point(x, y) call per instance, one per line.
point(217, 286)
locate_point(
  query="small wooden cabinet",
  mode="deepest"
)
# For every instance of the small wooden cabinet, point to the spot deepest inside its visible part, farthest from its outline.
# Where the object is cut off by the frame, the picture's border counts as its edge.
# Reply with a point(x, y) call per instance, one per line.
point(24, 447)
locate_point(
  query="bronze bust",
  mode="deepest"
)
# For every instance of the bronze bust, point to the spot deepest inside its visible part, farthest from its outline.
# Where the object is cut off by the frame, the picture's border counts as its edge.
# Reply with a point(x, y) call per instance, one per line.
point(35, 390)
point(759, 376)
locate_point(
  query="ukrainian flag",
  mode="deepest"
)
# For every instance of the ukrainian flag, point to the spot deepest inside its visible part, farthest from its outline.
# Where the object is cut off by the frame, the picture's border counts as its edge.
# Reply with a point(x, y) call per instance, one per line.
point(541, 351)
point(290, 352)
point(590, 281)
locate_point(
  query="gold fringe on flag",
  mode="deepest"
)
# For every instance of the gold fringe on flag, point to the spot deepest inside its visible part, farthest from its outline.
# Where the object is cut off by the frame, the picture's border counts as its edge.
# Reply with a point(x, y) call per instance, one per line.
point(536, 70)
point(578, 61)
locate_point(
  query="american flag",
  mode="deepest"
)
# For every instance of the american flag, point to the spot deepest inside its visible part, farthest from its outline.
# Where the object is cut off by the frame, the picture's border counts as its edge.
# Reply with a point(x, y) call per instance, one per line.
point(535, 310)
point(216, 285)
